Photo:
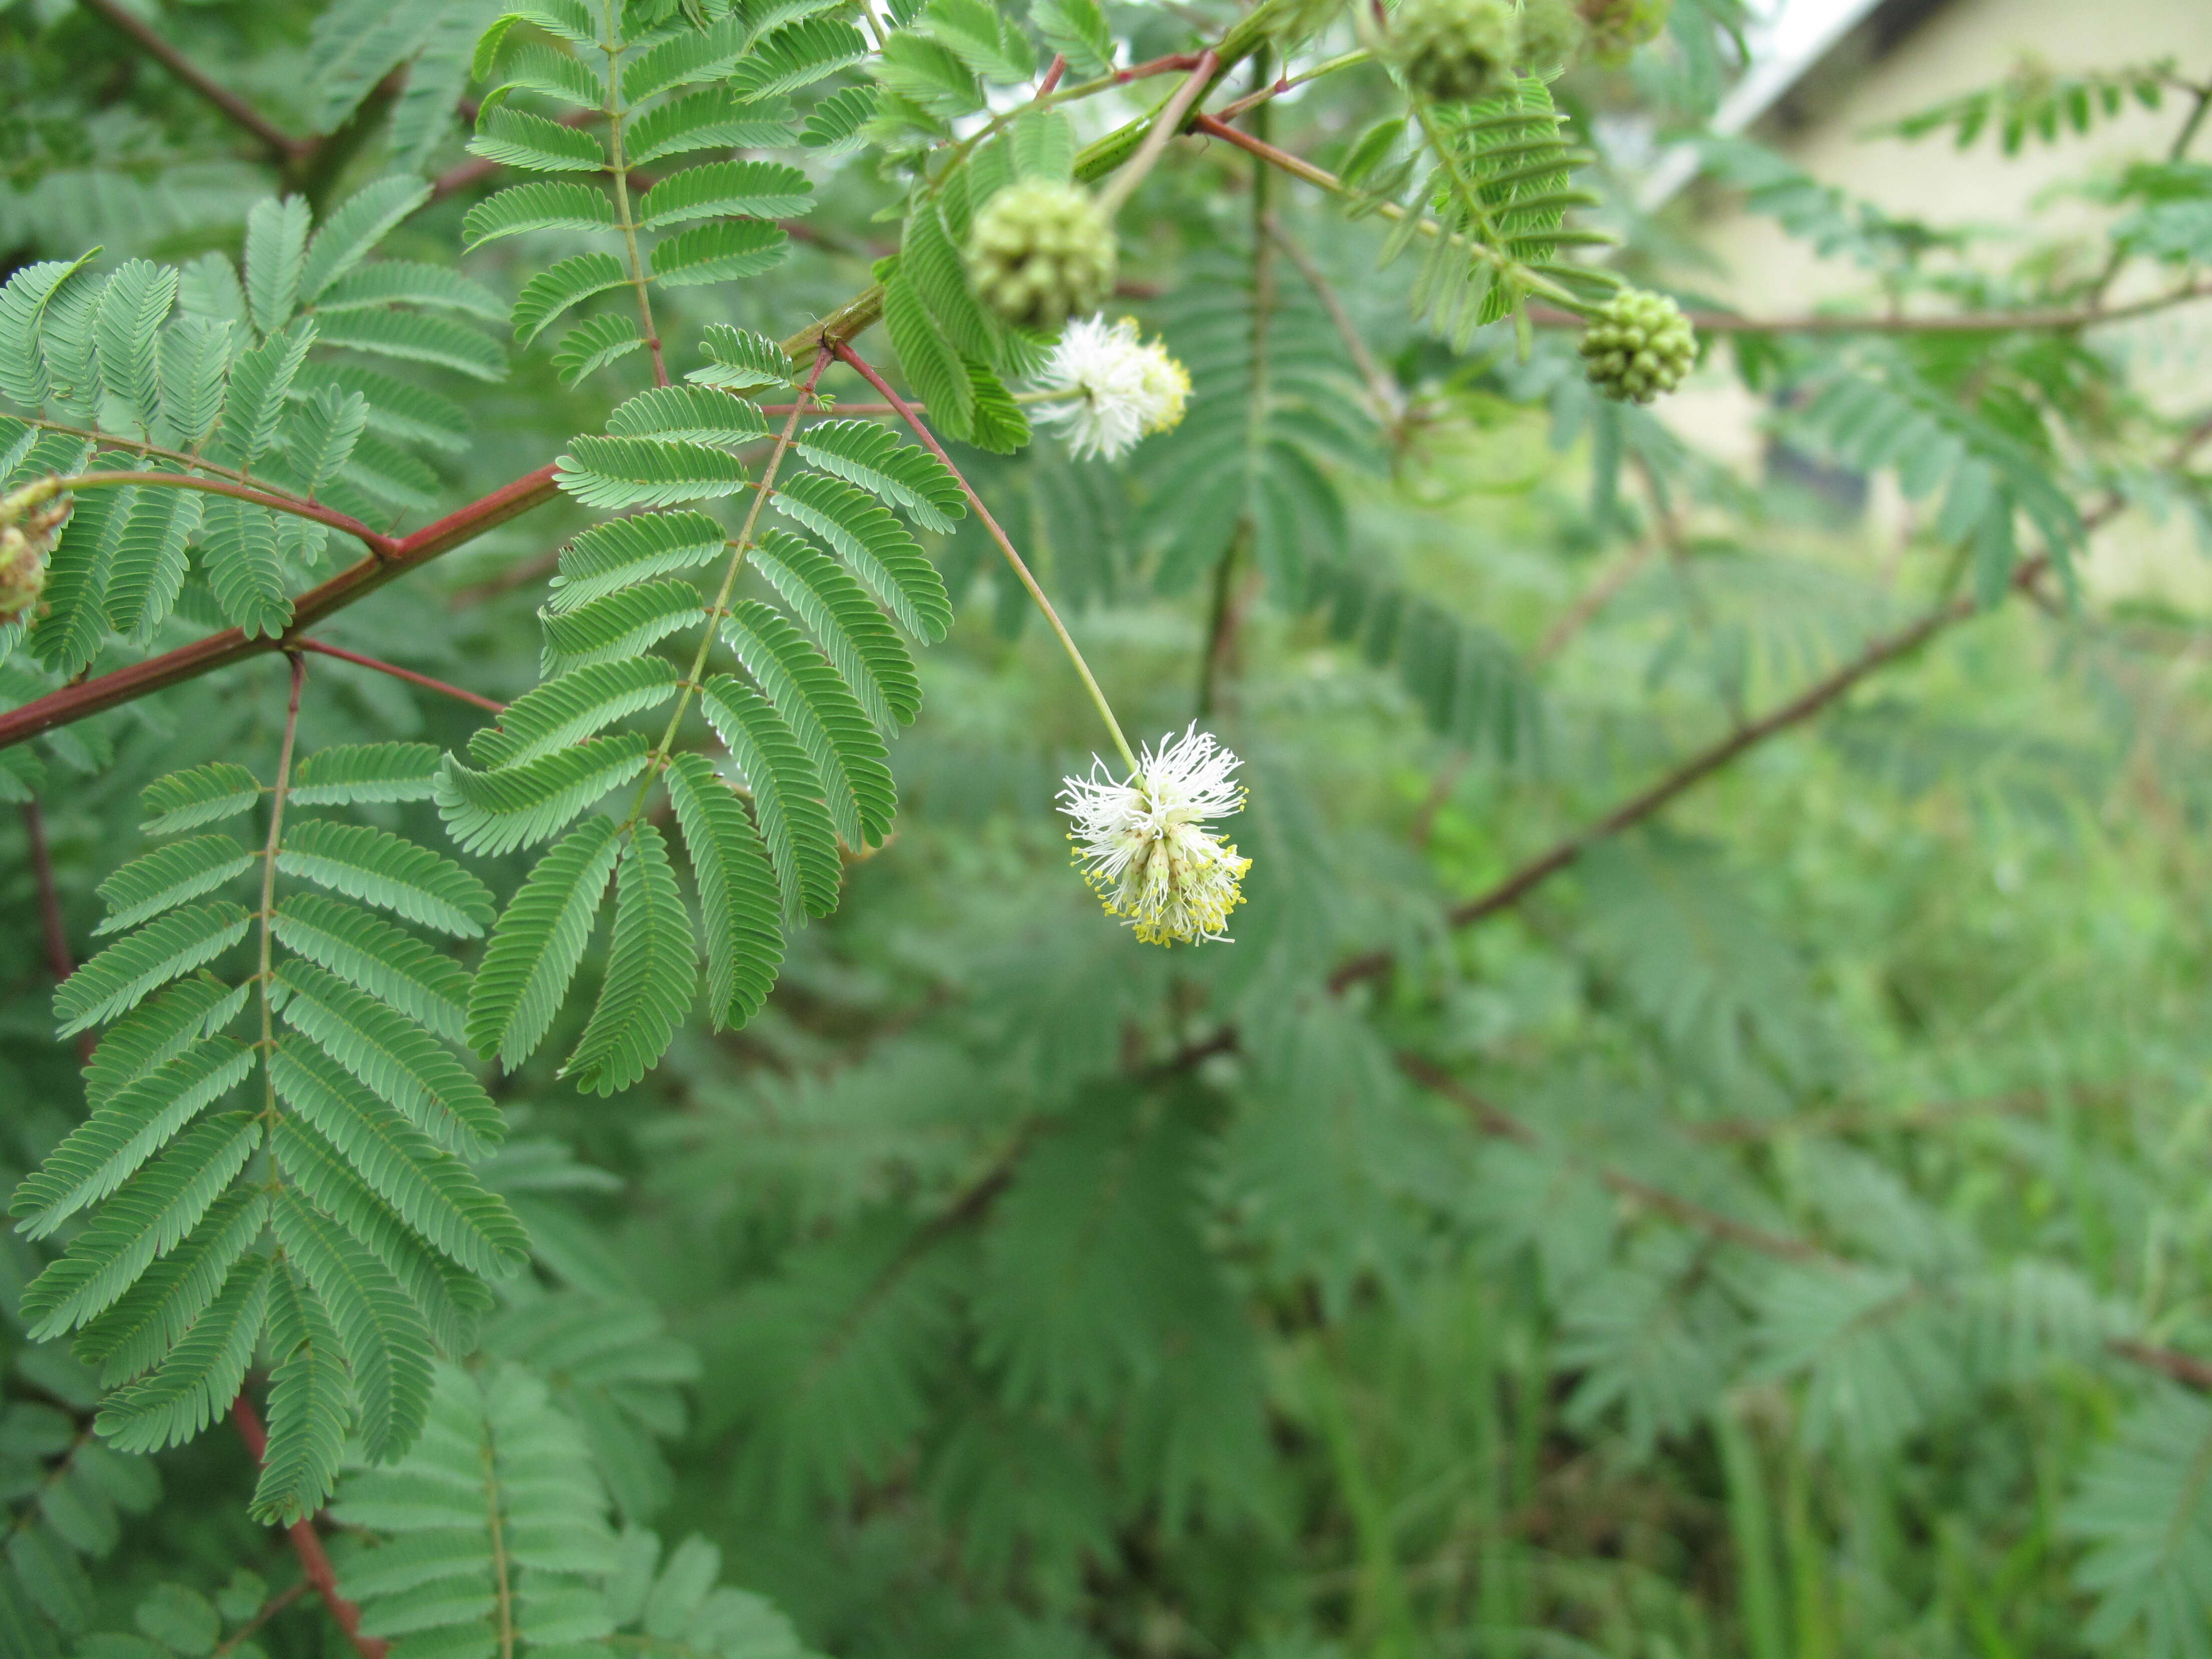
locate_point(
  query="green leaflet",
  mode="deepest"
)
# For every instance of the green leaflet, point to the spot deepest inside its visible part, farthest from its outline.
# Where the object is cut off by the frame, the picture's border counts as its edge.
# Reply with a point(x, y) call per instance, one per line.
point(537, 207)
point(416, 337)
point(351, 772)
point(826, 716)
point(310, 1404)
point(880, 462)
point(787, 795)
point(238, 548)
point(120, 976)
point(552, 291)
point(197, 795)
point(354, 227)
point(154, 1209)
point(738, 905)
point(577, 705)
point(133, 1124)
point(515, 138)
point(399, 1061)
point(740, 361)
point(592, 345)
point(617, 472)
point(536, 944)
point(148, 568)
point(728, 251)
point(694, 413)
point(157, 1030)
point(387, 871)
point(366, 951)
point(451, 1299)
point(862, 644)
point(275, 250)
point(652, 972)
point(260, 380)
point(623, 552)
point(132, 308)
point(153, 1315)
point(168, 877)
point(758, 189)
point(622, 623)
point(195, 359)
point(489, 812)
point(713, 119)
point(797, 55)
point(437, 1196)
point(878, 547)
point(202, 1374)
point(23, 300)
point(386, 1346)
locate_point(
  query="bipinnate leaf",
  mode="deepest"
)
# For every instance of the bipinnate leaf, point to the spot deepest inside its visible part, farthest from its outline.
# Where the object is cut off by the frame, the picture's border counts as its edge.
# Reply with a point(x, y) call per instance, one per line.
point(536, 944)
point(860, 640)
point(652, 972)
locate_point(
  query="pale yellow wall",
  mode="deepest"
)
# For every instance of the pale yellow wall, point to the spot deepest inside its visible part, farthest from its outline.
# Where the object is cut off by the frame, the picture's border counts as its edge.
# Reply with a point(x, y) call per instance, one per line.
point(1967, 44)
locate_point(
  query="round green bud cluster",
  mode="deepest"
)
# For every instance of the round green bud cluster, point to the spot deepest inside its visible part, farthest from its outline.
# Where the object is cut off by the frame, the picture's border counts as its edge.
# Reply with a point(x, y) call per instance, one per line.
point(1041, 252)
point(1552, 34)
point(1617, 28)
point(1638, 346)
point(1456, 51)
point(30, 520)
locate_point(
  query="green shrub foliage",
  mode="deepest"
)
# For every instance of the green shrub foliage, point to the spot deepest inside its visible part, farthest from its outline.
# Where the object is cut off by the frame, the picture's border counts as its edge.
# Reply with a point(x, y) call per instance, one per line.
point(562, 1099)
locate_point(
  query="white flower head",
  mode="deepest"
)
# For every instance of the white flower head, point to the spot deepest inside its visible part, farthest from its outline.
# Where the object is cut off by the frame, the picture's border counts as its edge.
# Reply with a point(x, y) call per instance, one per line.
point(1118, 387)
point(1143, 844)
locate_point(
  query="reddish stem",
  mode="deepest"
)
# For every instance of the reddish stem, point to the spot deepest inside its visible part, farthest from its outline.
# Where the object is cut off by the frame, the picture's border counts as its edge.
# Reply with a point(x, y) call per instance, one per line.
point(308, 1543)
point(59, 961)
point(1058, 67)
point(399, 673)
point(356, 582)
point(1167, 65)
point(281, 146)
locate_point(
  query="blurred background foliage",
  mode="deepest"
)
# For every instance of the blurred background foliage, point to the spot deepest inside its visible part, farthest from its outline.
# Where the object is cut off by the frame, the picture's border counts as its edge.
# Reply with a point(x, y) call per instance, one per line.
point(1782, 1233)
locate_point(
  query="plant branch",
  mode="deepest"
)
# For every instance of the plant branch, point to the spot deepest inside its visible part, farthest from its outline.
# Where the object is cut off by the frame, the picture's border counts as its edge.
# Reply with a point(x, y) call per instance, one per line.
point(306, 1543)
point(1005, 546)
point(399, 673)
point(51, 925)
point(1517, 885)
point(383, 545)
point(350, 586)
point(284, 149)
point(1165, 126)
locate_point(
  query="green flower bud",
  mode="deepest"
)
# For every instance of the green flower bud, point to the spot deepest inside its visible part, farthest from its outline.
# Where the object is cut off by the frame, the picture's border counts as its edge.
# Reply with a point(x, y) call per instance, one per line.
point(1040, 252)
point(1638, 346)
point(1617, 28)
point(1552, 34)
point(1456, 51)
point(30, 520)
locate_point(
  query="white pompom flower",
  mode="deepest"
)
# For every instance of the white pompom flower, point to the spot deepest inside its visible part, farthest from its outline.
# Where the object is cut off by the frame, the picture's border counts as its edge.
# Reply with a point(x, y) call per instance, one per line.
point(1143, 844)
point(1119, 388)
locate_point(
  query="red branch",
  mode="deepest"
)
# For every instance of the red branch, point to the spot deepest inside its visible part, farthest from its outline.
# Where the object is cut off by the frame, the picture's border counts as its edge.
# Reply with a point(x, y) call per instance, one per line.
point(282, 146)
point(399, 673)
point(59, 963)
point(356, 582)
point(308, 1543)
